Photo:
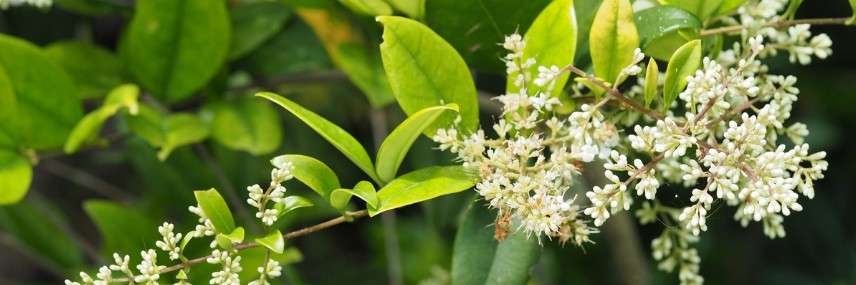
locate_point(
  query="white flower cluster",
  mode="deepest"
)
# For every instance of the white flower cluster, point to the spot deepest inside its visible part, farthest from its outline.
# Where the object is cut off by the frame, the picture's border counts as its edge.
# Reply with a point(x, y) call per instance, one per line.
point(275, 192)
point(5, 4)
point(170, 240)
point(228, 275)
point(269, 269)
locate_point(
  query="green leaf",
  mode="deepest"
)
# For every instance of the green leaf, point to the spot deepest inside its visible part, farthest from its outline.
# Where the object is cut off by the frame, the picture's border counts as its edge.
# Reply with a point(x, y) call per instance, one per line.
point(16, 173)
point(291, 203)
point(703, 9)
point(35, 225)
point(729, 5)
point(420, 185)
point(853, 18)
point(474, 27)
point(282, 54)
point(46, 106)
point(148, 124)
point(368, 7)
point(236, 236)
point(273, 241)
point(663, 29)
point(89, 127)
point(552, 40)
point(175, 47)
point(613, 38)
point(652, 78)
point(93, 7)
point(246, 124)
point(364, 189)
point(215, 208)
point(425, 71)
point(365, 69)
point(94, 70)
point(414, 9)
point(179, 130)
point(339, 138)
point(254, 23)
point(683, 63)
point(315, 174)
point(398, 143)
point(8, 112)
point(123, 229)
point(479, 259)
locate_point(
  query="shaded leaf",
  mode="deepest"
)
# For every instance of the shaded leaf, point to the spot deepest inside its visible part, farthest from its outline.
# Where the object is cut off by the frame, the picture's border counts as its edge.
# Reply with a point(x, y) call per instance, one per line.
point(683, 63)
point(365, 69)
point(425, 71)
point(170, 51)
point(179, 130)
point(315, 174)
point(46, 106)
point(613, 38)
point(35, 229)
point(479, 259)
point(421, 185)
point(339, 138)
point(123, 229)
point(273, 241)
point(94, 70)
point(663, 29)
point(282, 54)
point(215, 208)
point(398, 143)
point(16, 173)
point(246, 124)
point(254, 23)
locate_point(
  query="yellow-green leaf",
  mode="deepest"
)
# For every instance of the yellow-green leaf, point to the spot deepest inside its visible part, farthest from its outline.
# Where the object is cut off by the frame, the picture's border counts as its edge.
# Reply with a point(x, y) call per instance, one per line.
point(551, 40)
point(420, 185)
point(291, 203)
point(273, 241)
point(613, 38)
point(364, 189)
point(312, 172)
point(683, 63)
point(652, 77)
point(396, 145)
point(368, 7)
point(215, 208)
point(124, 96)
point(16, 173)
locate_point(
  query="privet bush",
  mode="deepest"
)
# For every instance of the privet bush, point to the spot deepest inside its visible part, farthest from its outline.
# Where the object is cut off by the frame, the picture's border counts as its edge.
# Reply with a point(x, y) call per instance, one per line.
point(669, 92)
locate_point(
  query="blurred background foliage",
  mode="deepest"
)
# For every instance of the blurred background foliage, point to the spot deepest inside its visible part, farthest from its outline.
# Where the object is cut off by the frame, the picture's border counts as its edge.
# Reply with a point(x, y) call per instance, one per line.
point(299, 48)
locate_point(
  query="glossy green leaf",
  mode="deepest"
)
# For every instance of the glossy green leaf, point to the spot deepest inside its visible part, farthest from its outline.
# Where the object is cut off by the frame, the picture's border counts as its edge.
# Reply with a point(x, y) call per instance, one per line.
point(613, 38)
point(315, 174)
point(179, 130)
point(291, 203)
point(420, 185)
point(365, 69)
point(246, 124)
point(273, 241)
point(683, 63)
point(35, 225)
point(425, 71)
point(171, 51)
point(729, 5)
point(254, 23)
point(663, 29)
point(364, 189)
point(94, 70)
point(215, 208)
point(703, 9)
point(124, 96)
point(414, 9)
point(123, 229)
point(652, 77)
point(236, 236)
point(479, 259)
point(16, 173)
point(397, 144)
point(552, 40)
point(368, 7)
point(475, 28)
point(853, 18)
point(47, 106)
point(339, 138)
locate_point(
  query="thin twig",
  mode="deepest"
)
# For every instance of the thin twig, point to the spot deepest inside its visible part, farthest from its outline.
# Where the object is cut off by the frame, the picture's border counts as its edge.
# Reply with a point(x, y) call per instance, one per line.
point(228, 187)
point(86, 180)
point(777, 25)
point(243, 246)
point(616, 94)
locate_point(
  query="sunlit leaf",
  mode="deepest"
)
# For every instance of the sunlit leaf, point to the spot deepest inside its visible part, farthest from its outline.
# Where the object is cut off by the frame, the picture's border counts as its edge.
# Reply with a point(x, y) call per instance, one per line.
point(420, 185)
point(124, 96)
point(339, 138)
point(552, 40)
point(16, 173)
point(215, 209)
point(703, 9)
point(397, 144)
point(273, 241)
point(425, 71)
point(652, 77)
point(364, 189)
point(683, 63)
point(312, 172)
point(291, 203)
point(613, 38)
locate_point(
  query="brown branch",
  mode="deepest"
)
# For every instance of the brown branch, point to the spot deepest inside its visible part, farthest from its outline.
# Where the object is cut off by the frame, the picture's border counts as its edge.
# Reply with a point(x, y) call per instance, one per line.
point(248, 245)
point(777, 25)
point(615, 94)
